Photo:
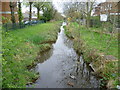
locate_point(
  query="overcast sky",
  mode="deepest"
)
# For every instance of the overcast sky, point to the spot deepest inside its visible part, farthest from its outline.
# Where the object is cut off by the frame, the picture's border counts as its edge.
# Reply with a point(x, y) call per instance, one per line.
point(58, 4)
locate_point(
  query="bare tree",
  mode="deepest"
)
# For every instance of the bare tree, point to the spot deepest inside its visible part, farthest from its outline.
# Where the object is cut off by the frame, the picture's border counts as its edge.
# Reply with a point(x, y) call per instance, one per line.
point(86, 10)
point(79, 10)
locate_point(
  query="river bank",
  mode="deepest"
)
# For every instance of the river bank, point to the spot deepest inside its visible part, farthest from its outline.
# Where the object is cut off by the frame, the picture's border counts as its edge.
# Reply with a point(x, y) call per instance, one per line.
point(21, 50)
point(92, 45)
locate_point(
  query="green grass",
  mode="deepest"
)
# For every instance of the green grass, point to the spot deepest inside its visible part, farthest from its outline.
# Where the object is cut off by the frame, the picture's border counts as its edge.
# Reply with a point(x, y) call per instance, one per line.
point(102, 42)
point(99, 42)
point(20, 48)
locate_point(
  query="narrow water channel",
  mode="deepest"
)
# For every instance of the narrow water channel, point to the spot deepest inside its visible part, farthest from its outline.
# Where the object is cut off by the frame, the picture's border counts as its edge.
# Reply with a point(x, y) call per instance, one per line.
point(57, 71)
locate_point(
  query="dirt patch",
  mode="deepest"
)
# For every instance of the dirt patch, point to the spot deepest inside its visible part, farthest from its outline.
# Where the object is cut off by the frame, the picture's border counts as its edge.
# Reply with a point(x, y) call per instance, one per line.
point(49, 42)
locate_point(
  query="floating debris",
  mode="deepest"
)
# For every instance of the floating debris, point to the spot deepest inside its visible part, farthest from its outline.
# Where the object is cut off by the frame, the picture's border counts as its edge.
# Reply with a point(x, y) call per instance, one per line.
point(70, 84)
point(91, 66)
point(73, 77)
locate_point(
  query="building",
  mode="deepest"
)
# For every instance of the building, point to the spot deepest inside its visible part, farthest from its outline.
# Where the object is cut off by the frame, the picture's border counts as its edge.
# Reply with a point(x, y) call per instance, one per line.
point(110, 8)
point(108, 12)
point(5, 12)
point(97, 11)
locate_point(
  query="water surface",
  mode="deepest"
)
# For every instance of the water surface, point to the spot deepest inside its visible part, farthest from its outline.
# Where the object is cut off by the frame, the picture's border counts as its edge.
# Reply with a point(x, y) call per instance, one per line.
point(56, 70)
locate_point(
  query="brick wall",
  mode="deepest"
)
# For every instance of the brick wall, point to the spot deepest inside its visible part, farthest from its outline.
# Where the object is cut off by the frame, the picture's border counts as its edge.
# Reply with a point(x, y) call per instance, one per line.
point(5, 11)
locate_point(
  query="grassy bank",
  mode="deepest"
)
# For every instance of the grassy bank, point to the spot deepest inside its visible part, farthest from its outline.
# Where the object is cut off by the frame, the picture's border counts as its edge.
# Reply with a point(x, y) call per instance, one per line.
point(99, 49)
point(20, 49)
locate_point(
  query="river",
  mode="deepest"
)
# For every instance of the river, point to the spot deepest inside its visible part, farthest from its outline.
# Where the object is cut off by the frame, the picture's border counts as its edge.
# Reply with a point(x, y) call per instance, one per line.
point(58, 67)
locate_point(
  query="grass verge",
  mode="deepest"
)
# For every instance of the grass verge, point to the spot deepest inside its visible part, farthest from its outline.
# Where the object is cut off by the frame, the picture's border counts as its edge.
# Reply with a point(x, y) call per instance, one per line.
point(19, 50)
point(99, 49)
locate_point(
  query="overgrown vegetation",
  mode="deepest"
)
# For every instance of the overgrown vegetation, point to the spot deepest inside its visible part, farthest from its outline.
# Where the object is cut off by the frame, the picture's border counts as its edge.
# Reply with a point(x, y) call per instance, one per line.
point(20, 48)
point(98, 48)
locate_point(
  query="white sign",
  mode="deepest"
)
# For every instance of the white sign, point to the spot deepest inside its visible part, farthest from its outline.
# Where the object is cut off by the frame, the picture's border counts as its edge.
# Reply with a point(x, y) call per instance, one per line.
point(103, 17)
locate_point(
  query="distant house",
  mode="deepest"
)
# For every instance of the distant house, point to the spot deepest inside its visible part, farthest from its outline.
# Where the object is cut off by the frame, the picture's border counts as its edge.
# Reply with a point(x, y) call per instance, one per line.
point(108, 11)
point(26, 16)
point(110, 8)
point(97, 11)
point(6, 13)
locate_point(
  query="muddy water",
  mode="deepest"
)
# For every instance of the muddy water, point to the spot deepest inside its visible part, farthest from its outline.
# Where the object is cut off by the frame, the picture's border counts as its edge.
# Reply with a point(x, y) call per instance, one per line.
point(56, 71)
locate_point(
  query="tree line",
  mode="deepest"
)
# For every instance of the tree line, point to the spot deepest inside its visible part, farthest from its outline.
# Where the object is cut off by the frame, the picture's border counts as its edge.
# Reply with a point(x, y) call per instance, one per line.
point(49, 12)
point(79, 11)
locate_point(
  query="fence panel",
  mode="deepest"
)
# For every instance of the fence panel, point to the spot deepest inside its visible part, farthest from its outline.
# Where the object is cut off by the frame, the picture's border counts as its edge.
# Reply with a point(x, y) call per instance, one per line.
point(9, 26)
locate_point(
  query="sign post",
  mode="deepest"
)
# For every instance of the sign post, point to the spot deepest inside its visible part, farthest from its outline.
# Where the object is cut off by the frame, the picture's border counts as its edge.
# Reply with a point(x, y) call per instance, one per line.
point(103, 17)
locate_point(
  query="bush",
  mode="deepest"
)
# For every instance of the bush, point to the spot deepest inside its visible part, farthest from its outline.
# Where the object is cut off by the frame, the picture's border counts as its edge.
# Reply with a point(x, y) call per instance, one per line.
point(95, 22)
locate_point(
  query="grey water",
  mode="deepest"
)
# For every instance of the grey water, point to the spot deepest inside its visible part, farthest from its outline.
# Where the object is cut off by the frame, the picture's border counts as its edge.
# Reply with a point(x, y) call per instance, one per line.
point(61, 63)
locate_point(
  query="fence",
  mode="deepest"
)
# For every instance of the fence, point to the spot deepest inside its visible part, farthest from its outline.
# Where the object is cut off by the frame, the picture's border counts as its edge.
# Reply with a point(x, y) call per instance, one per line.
point(9, 26)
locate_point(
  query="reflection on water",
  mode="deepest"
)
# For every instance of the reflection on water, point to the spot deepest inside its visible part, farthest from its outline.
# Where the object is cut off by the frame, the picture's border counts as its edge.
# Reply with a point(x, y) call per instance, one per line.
point(45, 55)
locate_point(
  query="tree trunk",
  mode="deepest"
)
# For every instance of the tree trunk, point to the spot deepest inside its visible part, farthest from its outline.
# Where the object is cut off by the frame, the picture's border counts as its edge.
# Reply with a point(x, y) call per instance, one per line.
point(89, 6)
point(38, 13)
point(88, 21)
point(12, 12)
point(30, 13)
point(19, 12)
